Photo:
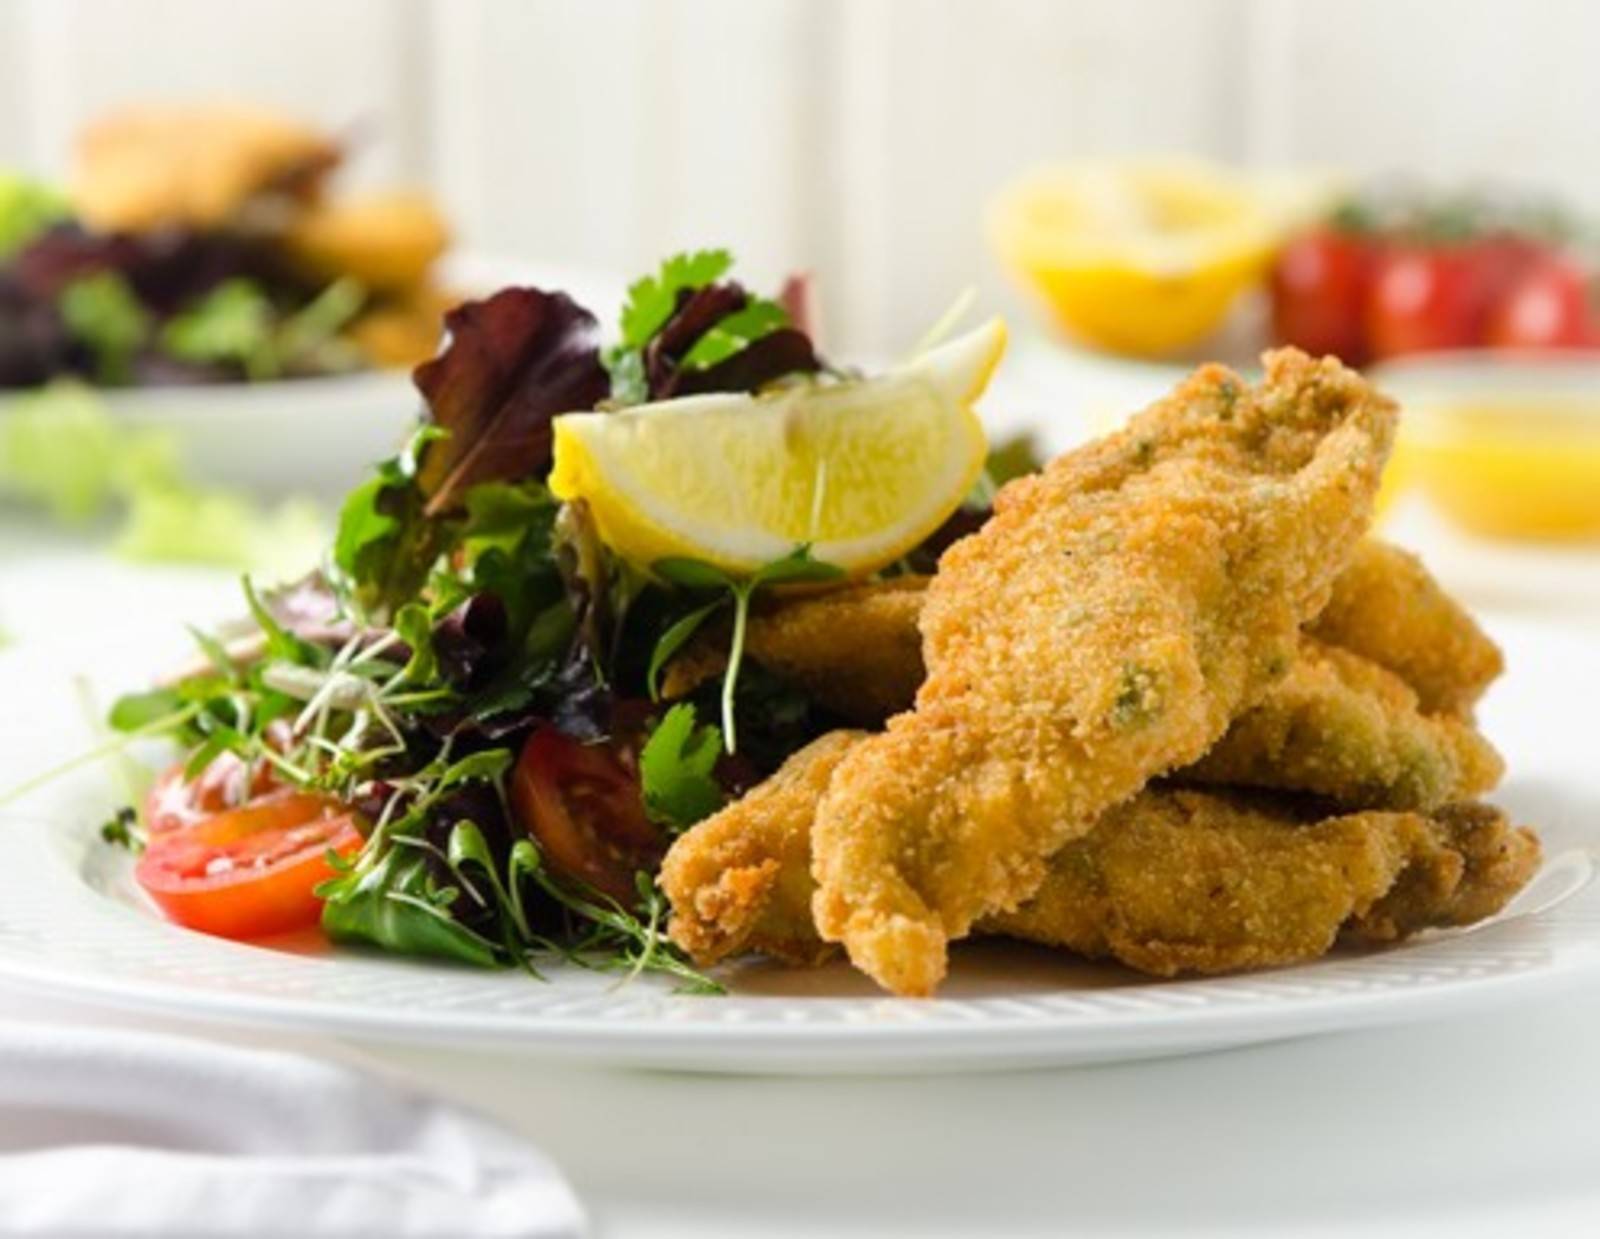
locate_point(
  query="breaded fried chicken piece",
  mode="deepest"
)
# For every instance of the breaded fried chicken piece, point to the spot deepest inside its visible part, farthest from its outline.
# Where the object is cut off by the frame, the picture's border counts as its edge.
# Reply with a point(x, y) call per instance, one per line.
point(1387, 607)
point(1173, 881)
point(1210, 882)
point(856, 650)
point(1336, 724)
point(385, 241)
point(741, 879)
point(1495, 862)
point(1105, 626)
point(1343, 727)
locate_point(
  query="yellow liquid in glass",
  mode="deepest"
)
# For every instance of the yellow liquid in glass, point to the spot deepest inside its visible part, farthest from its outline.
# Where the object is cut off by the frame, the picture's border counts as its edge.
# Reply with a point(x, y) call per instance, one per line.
point(1514, 467)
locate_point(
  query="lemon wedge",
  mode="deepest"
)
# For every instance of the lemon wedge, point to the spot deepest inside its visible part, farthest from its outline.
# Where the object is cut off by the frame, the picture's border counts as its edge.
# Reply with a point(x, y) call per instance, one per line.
point(859, 470)
point(1143, 258)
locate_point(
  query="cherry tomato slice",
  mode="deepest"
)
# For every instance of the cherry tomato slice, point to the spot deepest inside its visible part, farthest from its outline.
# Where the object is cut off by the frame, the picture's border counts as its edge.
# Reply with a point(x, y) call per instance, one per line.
point(581, 803)
point(174, 801)
point(1499, 261)
point(250, 871)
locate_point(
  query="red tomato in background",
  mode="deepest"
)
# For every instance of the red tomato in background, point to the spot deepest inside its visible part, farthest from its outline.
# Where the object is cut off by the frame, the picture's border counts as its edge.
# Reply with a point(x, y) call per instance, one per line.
point(1424, 299)
point(251, 871)
point(581, 803)
point(1319, 293)
point(1498, 261)
point(1548, 306)
point(1431, 280)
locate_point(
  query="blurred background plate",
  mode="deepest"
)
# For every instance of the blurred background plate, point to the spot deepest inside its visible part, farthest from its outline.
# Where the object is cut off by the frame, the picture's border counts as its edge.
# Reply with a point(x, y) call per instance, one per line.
point(298, 436)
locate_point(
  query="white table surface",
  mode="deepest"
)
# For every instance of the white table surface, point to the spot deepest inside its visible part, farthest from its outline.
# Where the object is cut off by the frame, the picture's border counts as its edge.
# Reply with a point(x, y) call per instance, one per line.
point(1484, 1126)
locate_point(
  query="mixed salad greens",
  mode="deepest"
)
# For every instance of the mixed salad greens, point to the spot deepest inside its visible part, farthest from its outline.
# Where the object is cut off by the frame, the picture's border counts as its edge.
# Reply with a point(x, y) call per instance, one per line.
point(448, 741)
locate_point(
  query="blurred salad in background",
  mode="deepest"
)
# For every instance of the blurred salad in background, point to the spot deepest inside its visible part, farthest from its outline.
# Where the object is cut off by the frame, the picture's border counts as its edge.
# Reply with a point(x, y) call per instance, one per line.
point(200, 244)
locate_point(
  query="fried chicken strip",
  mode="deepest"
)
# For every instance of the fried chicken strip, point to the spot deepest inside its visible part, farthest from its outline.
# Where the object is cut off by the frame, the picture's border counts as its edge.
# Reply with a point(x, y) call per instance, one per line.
point(1105, 626)
point(856, 650)
point(741, 879)
point(1336, 724)
point(1208, 882)
point(192, 166)
point(1497, 862)
point(1173, 881)
point(1345, 728)
point(1388, 607)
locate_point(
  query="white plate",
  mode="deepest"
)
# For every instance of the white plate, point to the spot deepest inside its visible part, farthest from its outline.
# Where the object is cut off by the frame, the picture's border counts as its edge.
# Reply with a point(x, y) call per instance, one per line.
point(71, 921)
point(319, 436)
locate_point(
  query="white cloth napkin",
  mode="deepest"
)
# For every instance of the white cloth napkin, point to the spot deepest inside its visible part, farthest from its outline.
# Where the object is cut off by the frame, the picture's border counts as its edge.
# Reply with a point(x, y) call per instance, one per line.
point(128, 1135)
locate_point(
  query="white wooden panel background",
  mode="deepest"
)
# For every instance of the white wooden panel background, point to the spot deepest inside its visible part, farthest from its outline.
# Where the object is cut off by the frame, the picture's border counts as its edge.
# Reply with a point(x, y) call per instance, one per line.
point(857, 137)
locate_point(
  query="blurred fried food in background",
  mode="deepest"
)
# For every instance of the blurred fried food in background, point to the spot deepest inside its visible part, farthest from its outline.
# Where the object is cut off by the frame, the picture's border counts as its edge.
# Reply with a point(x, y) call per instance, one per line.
point(195, 166)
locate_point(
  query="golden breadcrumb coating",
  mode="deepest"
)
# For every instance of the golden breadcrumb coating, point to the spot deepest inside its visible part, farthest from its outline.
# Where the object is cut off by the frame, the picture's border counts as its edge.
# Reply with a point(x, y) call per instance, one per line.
point(1387, 607)
point(1176, 880)
point(1207, 882)
point(1384, 604)
point(1104, 627)
point(741, 879)
point(1345, 728)
point(387, 242)
point(1336, 724)
point(1494, 860)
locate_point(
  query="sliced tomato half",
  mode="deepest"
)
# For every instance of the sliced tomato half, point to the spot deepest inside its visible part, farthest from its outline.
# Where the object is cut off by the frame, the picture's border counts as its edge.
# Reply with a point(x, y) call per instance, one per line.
point(251, 871)
point(175, 801)
point(581, 803)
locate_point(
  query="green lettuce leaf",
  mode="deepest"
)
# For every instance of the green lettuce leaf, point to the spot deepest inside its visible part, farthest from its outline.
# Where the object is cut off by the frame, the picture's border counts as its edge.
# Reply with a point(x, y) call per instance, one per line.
point(675, 769)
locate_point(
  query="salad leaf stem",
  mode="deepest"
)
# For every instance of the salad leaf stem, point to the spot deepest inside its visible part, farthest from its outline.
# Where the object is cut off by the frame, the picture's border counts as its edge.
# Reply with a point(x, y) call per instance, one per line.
point(794, 568)
point(673, 640)
point(945, 323)
point(730, 677)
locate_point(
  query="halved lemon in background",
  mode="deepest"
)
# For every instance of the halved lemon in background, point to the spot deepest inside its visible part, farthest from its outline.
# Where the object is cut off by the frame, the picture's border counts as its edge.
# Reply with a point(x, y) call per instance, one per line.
point(861, 470)
point(1143, 259)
